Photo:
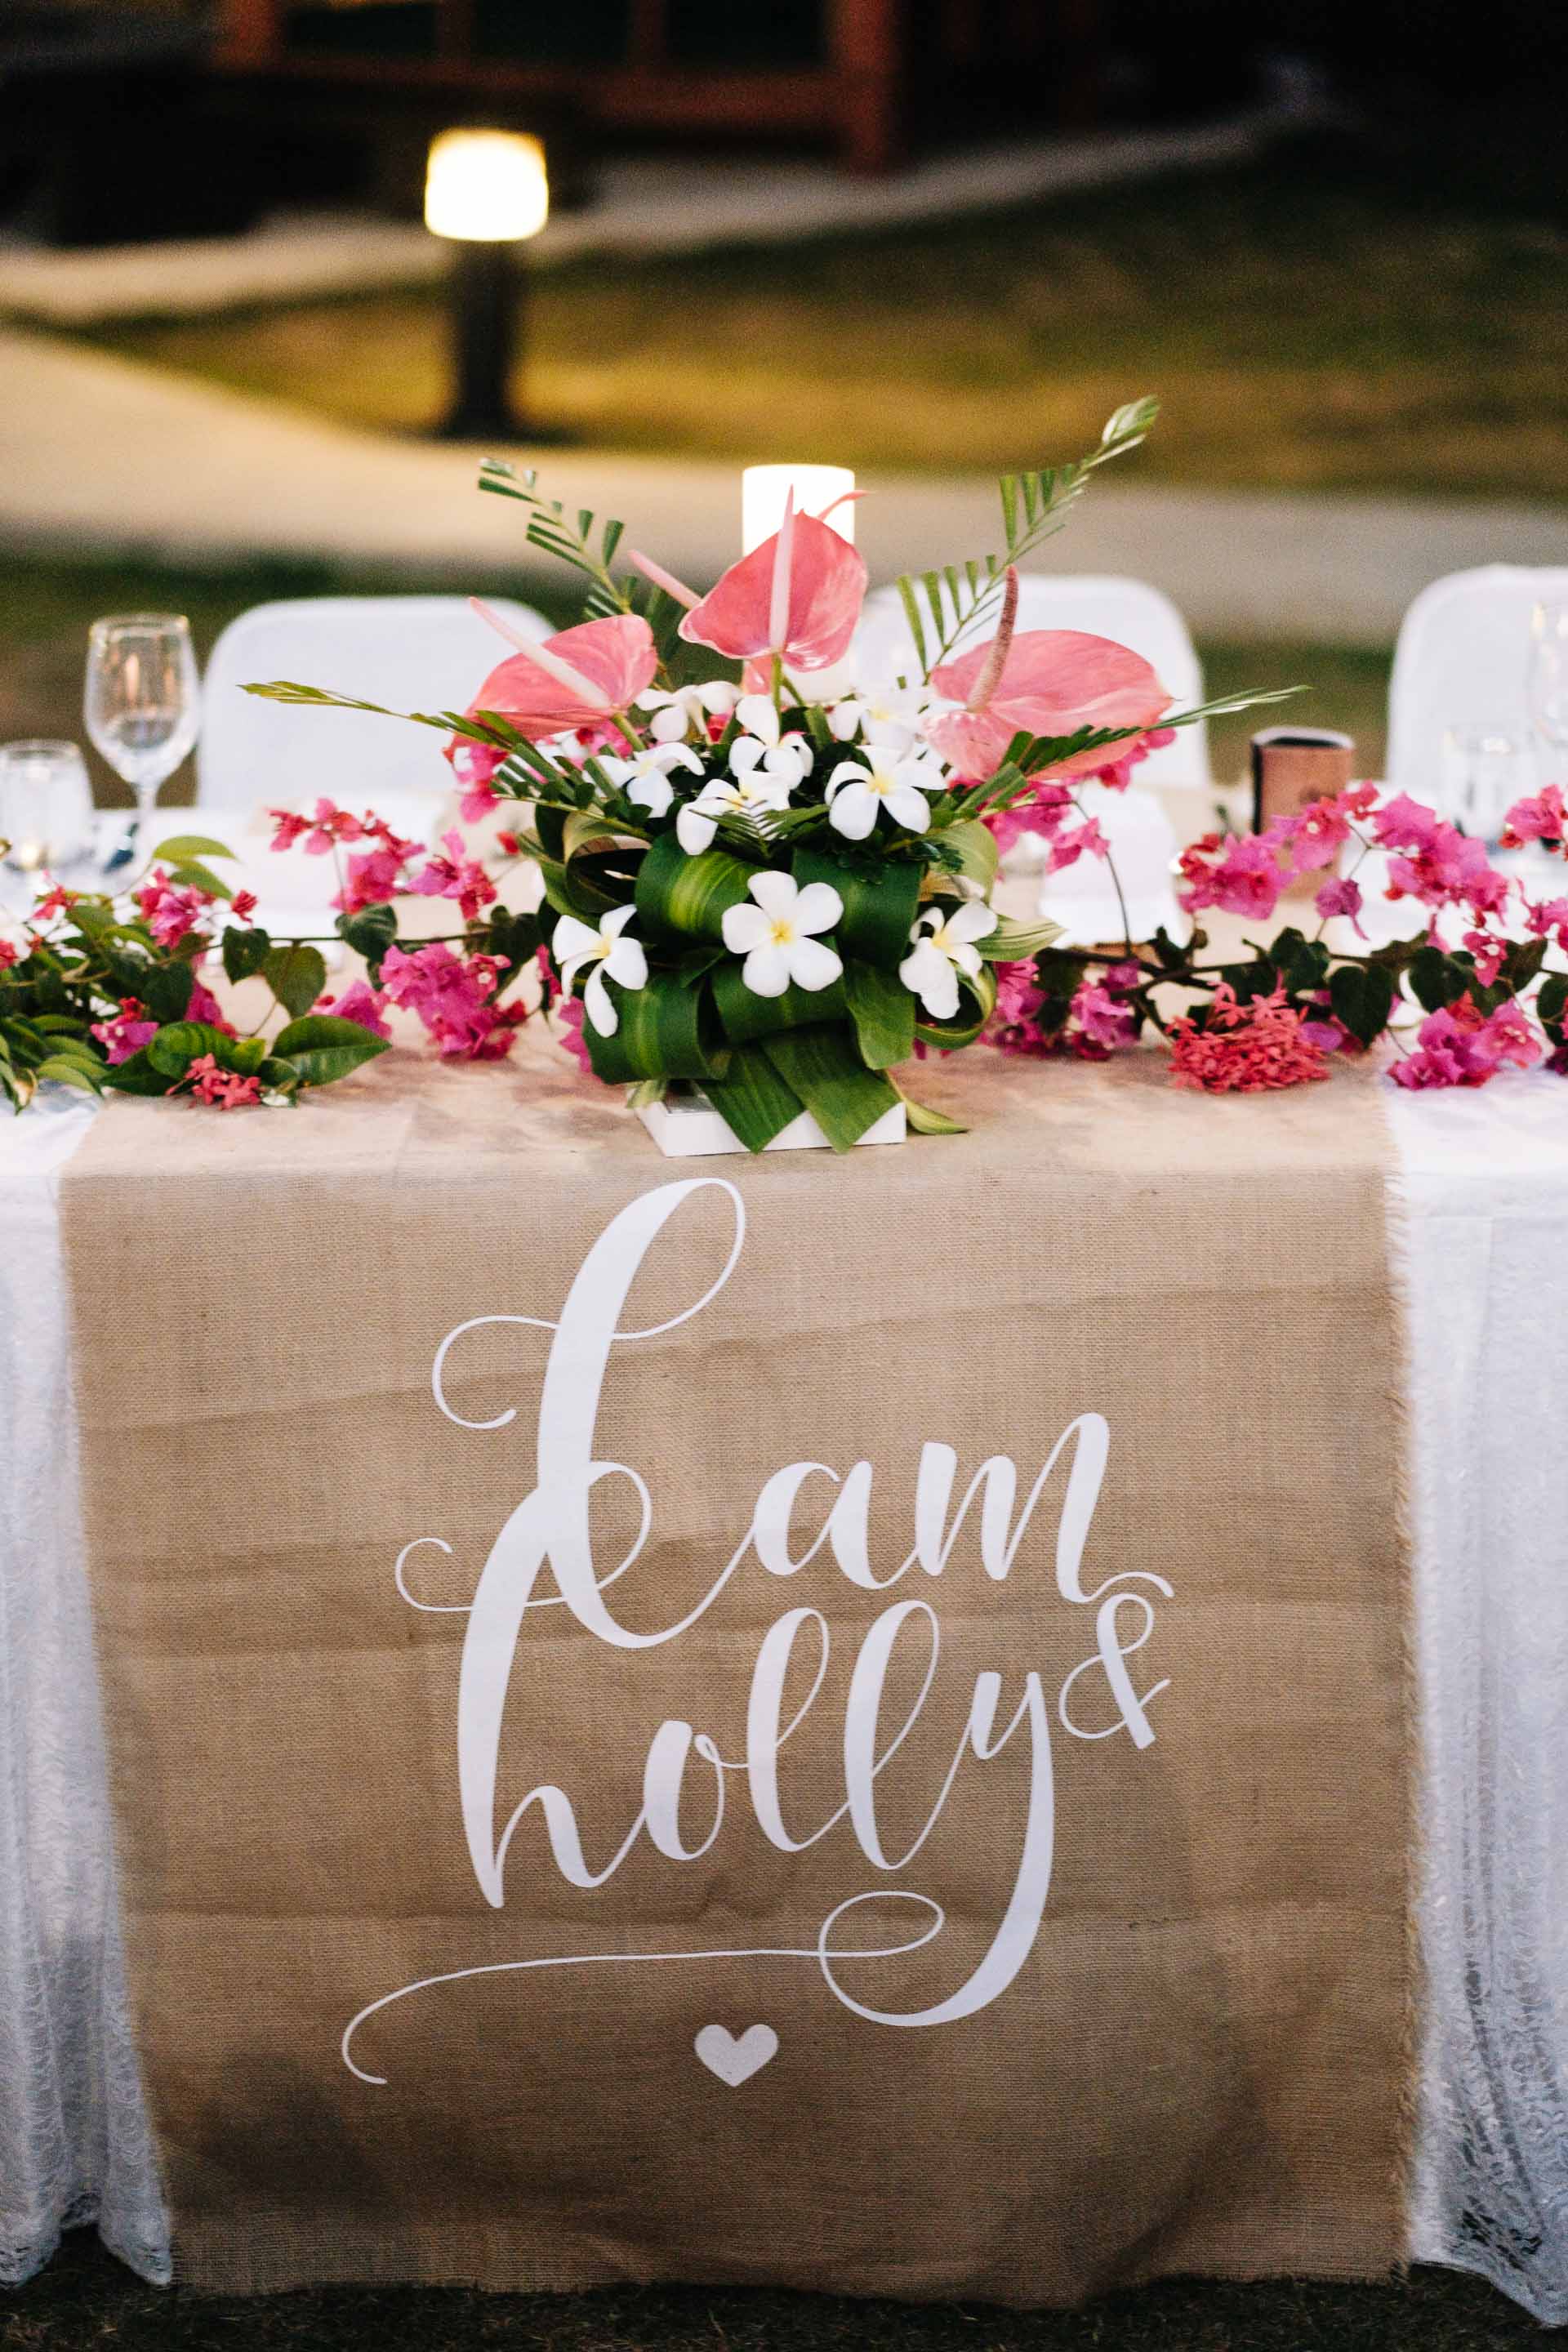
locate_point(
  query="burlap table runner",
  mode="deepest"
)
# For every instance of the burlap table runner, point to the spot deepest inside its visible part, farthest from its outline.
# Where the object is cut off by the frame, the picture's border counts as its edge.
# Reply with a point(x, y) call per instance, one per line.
point(1055, 1935)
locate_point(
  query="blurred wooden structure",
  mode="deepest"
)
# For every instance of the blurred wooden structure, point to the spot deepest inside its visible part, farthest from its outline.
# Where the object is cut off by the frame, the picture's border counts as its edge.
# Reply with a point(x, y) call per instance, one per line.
point(865, 77)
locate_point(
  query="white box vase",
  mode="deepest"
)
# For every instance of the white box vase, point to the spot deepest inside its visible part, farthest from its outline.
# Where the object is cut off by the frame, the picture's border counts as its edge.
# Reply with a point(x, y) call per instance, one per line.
point(685, 1126)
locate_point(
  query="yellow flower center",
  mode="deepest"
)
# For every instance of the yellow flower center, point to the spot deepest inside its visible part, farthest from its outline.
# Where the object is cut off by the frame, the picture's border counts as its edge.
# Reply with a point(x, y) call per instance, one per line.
point(781, 932)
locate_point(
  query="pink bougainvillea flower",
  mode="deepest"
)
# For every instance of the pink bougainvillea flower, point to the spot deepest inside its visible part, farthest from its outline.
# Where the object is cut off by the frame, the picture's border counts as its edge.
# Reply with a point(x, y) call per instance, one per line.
point(380, 875)
point(204, 1006)
point(329, 824)
point(473, 765)
point(569, 1023)
point(797, 595)
point(1239, 872)
point(1341, 896)
point(359, 1003)
point(10, 954)
point(1050, 682)
point(1103, 1017)
point(580, 677)
point(127, 1033)
point(1458, 1045)
point(1541, 818)
point(1243, 1049)
point(170, 913)
point(456, 876)
point(1548, 918)
point(455, 999)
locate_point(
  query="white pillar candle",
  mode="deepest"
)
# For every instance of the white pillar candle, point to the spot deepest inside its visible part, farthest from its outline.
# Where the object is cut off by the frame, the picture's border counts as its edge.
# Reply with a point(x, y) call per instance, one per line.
point(762, 492)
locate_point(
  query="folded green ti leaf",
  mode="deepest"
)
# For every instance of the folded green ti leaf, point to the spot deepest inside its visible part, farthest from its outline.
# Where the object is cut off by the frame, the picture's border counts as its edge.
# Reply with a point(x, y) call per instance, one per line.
point(666, 1029)
point(823, 1066)
point(880, 908)
point(687, 898)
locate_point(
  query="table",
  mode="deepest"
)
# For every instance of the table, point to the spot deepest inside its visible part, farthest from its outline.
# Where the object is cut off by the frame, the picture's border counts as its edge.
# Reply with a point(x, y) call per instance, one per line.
point(1478, 1202)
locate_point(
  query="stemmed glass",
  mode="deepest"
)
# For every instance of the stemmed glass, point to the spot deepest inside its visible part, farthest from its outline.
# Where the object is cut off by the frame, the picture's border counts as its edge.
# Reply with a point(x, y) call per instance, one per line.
point(142, 702)
point(1548, 680)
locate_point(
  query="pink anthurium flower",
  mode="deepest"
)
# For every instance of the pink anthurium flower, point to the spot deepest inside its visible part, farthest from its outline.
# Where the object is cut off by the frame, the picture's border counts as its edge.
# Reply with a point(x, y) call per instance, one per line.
point(577, 679)
point(1049, 682)
point(797, 595)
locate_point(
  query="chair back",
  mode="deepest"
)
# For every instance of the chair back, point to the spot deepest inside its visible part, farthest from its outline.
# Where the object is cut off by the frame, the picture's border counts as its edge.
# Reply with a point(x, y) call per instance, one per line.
point(1463, 660)
point(1102, 605)
point(411, 652)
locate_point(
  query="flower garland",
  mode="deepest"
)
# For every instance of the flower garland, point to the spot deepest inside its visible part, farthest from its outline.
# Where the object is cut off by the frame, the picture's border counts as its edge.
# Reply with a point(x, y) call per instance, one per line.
point(786, 900)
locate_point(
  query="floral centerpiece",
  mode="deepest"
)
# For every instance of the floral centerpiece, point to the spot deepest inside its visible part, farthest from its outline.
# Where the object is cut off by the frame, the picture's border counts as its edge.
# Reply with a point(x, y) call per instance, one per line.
point(776, 899)
point(783, 896)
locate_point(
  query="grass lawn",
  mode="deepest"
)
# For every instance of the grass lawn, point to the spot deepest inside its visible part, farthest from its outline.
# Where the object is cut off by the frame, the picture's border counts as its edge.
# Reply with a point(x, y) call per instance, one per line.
point(85, 2302)
point(46, 603)
point(1310, 322)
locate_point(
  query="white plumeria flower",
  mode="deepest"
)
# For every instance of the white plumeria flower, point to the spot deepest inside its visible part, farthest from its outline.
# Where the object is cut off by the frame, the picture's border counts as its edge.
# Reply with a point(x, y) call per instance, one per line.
point(761, 745)
point(611, 956)
point(645, 777)
point(880, 777)
point(675, 714)
point(883, 714)
point(777, 935)
point(943, 947)
point(753, 793)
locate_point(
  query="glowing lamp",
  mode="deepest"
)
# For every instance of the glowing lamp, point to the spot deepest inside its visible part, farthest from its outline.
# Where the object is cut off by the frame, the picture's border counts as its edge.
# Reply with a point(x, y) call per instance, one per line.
point(485, 192)
point(762, 492)
point(486, 187)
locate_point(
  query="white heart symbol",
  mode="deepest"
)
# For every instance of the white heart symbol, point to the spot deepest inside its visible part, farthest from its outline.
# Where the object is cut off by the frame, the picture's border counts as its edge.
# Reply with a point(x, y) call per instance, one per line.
point(734, 2058)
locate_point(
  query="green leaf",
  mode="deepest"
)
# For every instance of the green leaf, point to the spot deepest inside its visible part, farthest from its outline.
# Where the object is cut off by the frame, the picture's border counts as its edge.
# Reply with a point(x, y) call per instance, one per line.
point(746, 1015)
point(1436, 979)
point(976, 846)
point(322, 1048)
point(370, 931)
point(879, 904)
point(88, 1079)
point(689, 896)
point(296, 975)
point(1552, 1001)
point(924, 1120)
point(1362, 1000)
point(823, 1068)
point(883, 1012)
point(181, 847)
point(1013, 942)
point(244, 951)
point(175, 1047)
point(665, 1030)
point(165, 990)
point(752, 1098)
point(139, 1075)
point(190, 875)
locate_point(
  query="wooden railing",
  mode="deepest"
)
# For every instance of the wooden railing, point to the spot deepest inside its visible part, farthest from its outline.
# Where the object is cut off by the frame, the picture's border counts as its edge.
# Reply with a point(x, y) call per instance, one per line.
point(853, 99)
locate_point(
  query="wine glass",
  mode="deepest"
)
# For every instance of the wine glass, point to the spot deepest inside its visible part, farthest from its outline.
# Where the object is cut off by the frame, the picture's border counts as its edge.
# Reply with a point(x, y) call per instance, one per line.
point(143, 701)
point(1485, 770)
point(1548, 680)
point(45, 806)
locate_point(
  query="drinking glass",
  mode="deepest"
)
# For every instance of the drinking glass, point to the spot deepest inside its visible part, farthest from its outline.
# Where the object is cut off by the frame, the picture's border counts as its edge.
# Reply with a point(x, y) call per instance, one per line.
point(1487, 768)
point(46, 805)
point(142, 702)
point(1549, 683)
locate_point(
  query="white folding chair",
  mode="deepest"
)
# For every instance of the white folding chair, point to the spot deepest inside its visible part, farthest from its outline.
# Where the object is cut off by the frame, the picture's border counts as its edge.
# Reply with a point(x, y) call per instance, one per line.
point(411, 652)
point(1102, 605)
point(1463, 660)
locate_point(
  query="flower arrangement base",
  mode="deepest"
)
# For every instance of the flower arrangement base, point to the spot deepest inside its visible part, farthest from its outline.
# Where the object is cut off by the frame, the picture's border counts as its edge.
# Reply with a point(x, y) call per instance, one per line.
point(687, 1127)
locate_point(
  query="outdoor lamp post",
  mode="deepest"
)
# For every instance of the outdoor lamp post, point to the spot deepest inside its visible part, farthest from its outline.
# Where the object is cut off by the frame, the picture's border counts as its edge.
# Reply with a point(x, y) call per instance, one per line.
point(486, 191)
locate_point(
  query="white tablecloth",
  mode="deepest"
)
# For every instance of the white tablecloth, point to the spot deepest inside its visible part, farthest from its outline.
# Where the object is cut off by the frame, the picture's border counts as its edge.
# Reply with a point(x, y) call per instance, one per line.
point(1479, 1218)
